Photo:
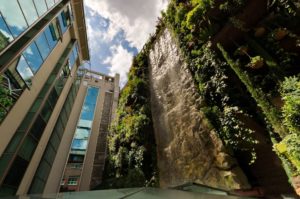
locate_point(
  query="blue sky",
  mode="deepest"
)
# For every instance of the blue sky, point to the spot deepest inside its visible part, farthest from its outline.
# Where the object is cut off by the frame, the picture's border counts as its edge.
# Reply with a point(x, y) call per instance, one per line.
point(117, 30)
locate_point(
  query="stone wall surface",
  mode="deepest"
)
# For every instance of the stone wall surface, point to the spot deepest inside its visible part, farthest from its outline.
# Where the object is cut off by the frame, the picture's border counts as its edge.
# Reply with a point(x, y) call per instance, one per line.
point(188, 150)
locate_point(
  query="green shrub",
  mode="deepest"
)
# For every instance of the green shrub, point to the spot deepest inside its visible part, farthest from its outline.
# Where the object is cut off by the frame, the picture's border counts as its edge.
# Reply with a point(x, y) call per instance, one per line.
point(290, 92)
point(290, 147)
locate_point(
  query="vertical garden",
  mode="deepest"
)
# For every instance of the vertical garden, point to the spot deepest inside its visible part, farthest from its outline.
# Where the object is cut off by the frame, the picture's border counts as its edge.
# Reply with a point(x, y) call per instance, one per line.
point(244, 58)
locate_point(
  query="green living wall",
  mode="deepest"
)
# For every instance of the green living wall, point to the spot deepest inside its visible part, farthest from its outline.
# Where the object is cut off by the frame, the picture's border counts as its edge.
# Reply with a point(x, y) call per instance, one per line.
point(244, 57)
point(131, 158)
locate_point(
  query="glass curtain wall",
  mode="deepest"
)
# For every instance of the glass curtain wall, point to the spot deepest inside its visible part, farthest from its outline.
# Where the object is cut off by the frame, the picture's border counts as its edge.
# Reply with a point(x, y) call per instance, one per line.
point(18, 153)
point(16, 16)
point(43, 170)
point(81, 137)
point(21, 72)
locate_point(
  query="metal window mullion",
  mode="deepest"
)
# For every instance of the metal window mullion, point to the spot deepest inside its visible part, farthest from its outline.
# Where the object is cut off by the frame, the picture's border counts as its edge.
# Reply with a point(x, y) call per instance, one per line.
point(48, 41)
point(46, 4)
point(39, 53)
point(23, 13)
point(35, 9)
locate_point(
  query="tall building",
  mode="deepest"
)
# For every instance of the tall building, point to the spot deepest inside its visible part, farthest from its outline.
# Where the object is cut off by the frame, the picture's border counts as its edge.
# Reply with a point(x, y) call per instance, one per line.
point(50, 112)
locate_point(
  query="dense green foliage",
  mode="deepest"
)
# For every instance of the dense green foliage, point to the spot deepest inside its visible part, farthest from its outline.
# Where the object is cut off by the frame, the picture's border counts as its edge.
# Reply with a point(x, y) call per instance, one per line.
point(290, 91)
point(3, 41)
point(260, 62)
point(225, 106)
point(6, 101)
point(131, 158)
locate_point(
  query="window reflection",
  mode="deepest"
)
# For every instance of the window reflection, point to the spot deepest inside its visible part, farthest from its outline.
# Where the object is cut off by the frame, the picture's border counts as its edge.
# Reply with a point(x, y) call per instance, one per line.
point(51, 40)
point(40, 6)
point(29, 11)
point(82, 133)
point(24, 70)
point(33, 57)
point(43, 46)
point(62, 23)
point(5, 36)
point(79, 144)
point(50, 3)
point(13, 16)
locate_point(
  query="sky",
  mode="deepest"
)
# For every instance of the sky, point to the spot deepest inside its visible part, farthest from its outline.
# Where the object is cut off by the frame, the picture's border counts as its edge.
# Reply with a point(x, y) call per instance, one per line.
point(117, 30)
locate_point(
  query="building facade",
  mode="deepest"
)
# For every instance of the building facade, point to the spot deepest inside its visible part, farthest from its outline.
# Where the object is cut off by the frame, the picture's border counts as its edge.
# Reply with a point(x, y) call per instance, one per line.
point(42, 45)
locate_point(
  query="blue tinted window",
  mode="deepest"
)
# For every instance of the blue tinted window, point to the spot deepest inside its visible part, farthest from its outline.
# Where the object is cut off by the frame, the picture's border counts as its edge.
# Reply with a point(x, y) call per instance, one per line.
point(79, 144)
point(5, 36)
point(71, 59)
point(82, 133)
point(89, 105)
point(24, 70)
point(29, 11)
point(50, 3)
point(13, 16)
point(75, 52)
point(61, 23)
point(43, 46)
point(40, 6)
point(51, 40)
point(33, 57)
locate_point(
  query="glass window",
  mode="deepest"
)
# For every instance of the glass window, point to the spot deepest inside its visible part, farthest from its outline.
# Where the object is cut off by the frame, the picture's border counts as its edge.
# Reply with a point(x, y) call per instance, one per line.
point(29, 11)
point(27, 148)
point(4, 160)
point(54, 140)
point(15, 142)
point(43, 170)
point(50, 3)
point(61, 23)
point(55, 29)
point(40, 6)
point(37, 186)
point(43, 46)
point(51, 40)
point(46, 111)
point(85, 123)
point(38, 127)
point(24, 70)
point(13, 16)
point(75, 158)
point(82, 133)
point(72, 180)
point(64, 117)
point(53, 97)
point(71, 60)
point(5, 36)
point(49, 154)
point(33, 57)
point(16, 172)
point(59, 128)
point(79, 144)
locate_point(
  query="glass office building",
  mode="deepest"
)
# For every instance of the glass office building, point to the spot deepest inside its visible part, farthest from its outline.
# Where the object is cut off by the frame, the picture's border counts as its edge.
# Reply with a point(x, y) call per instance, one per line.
point(45, 120)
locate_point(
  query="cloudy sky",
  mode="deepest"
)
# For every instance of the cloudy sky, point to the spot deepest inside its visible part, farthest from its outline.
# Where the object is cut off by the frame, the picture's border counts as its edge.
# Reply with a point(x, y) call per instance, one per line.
point(117, 30)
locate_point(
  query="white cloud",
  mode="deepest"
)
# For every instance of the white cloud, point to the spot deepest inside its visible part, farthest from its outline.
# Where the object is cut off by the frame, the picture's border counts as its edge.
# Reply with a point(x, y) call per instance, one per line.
point(137, 18)
point(120, 62)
